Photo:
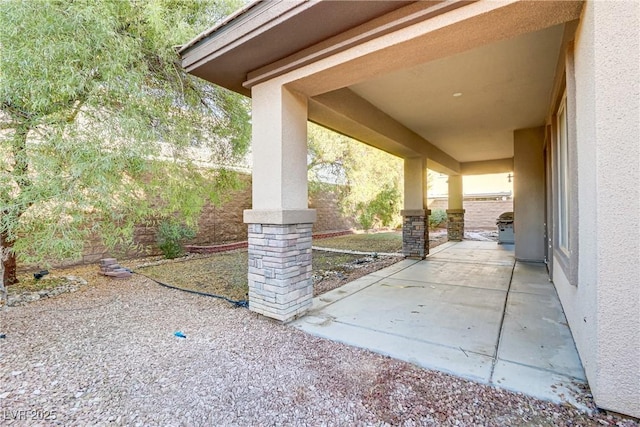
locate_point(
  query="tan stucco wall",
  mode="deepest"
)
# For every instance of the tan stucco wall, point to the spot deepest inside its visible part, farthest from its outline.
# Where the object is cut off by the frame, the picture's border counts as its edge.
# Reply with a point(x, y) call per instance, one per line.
point(415, 175)
point(604, 309)
point(528, 190)
point(279, 143)
point(455, 192)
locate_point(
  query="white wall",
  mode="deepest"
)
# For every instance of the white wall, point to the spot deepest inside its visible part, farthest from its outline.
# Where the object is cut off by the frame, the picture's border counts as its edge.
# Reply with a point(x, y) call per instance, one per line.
point(603, 310)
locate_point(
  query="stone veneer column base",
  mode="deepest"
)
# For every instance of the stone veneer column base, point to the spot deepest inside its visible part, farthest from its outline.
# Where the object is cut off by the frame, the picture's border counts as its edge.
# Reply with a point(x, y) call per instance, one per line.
point(280, 284)
point(415, 233)
point(455, 225)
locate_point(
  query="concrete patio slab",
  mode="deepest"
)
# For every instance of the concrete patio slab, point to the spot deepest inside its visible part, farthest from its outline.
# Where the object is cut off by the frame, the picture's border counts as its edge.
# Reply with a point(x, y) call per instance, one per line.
point(469, 309)
point(476, 275)
point(531, 278)
point(452, 360)
point(466, 318)
point(344, 291)
point(491, 246)
point(500, 256)
point(350, 288)
point(535, 333)
point(392, 269)
point(542, 384)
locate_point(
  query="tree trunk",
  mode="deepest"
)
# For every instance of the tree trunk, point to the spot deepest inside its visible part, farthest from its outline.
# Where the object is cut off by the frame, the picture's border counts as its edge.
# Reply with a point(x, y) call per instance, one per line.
point(9, 264)
point(21, 177)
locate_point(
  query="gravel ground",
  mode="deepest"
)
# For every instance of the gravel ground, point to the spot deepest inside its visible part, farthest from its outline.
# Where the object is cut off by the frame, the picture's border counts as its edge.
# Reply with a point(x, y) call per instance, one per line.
point(327, 280)
point(107, 355)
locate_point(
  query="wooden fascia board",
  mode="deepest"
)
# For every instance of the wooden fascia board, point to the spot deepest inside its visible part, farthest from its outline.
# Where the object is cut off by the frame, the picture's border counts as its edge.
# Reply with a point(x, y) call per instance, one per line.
point(247, 26)
point(378, 27)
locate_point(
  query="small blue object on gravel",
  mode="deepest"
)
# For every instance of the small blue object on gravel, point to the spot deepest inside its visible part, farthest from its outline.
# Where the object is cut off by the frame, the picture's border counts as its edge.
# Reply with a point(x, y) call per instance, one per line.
point(179, 334)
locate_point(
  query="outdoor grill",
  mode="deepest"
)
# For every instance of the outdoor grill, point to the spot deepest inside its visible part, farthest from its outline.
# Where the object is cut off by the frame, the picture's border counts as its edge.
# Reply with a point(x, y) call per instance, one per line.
point(505, 228)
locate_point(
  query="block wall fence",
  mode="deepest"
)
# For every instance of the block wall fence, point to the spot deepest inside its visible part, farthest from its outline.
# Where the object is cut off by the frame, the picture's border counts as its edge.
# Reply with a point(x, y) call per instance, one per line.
point(478, 214)
point(223, 224)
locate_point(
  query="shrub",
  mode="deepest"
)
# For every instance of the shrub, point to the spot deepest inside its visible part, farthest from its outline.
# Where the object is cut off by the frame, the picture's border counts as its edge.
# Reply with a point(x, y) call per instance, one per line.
point(381, 210)
point(437, 218)
point(366, 218)
point(171, 236)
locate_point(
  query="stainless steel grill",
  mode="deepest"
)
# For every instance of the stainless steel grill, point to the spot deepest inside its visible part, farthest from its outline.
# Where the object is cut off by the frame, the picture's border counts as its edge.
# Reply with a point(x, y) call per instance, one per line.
point(505, 228)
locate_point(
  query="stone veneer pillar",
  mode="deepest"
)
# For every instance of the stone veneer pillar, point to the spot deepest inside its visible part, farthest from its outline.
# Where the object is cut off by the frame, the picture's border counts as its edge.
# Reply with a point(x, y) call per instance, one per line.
point(455, 213)
point(415, 233)
point(280, 284)
point(280, 221)
point(455, 225)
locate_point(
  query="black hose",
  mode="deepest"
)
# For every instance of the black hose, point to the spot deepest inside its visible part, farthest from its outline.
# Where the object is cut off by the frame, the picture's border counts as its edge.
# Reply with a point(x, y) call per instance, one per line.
point(239, 303)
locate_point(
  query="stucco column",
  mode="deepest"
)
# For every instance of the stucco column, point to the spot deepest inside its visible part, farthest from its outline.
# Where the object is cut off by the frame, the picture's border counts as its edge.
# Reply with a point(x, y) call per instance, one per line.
point(415, 224)
point(455, 211)
point(529, 194)
point(280, 222)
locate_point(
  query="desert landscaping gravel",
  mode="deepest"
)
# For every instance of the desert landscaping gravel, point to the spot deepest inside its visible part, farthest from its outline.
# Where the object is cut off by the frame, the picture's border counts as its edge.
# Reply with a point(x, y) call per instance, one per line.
point(108, 355)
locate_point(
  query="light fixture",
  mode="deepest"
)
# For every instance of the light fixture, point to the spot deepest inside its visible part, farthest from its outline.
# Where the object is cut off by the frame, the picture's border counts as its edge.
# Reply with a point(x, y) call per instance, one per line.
point(457, 94)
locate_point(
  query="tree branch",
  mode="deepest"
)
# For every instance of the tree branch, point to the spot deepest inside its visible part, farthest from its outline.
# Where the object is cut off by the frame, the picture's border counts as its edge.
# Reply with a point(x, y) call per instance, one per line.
point(15, 111)
point(76, 109)
point(21, 158)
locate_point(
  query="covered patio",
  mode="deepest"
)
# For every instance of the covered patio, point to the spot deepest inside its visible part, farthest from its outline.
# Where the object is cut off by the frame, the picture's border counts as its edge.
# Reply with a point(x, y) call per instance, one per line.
point(398, 76)
point(469, 309)
point(544, 90)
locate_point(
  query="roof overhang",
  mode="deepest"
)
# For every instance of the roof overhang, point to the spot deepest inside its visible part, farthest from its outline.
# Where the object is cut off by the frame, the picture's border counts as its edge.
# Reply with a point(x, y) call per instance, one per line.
point(384, 72)
point(264, 32)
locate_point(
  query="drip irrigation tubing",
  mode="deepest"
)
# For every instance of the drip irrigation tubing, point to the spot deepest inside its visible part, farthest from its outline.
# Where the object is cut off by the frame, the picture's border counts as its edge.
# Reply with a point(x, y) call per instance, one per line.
point(237, 303)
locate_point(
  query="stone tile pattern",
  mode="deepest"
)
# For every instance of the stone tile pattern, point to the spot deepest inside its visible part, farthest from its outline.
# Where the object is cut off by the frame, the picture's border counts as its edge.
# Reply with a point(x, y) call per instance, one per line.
point(455, 225)
point(280, 284)
point(415, 236)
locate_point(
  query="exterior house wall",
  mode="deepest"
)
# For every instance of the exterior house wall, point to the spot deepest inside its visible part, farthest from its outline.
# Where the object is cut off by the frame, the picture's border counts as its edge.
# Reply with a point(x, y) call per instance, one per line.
point(603, 307)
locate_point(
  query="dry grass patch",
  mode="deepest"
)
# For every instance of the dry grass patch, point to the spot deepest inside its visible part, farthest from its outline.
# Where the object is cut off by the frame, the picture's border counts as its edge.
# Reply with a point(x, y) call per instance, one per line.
point(223, 273)
point(365, 242)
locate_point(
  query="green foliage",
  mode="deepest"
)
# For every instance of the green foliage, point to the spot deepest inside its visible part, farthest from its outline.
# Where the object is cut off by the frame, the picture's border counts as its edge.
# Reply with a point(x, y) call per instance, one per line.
point(369, 179)
point(170, 238)
point(365, 217)
point(382, 210)
point(437, 218)
point(99, 122)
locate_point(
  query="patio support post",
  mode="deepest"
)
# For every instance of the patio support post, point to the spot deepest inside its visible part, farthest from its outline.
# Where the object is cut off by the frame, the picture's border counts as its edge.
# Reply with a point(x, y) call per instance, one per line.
point(455, 213)
point(529, 190)
point(415, 224)
point(280, 222)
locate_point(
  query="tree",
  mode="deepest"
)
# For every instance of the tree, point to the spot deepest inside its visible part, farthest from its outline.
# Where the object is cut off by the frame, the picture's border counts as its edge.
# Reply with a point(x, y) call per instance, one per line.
point(97, 121)
point(370, 179)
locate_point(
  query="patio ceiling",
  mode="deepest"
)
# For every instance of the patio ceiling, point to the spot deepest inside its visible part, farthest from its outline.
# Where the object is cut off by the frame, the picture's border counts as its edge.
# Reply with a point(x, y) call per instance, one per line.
point(469, 104)
point(457, 108)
